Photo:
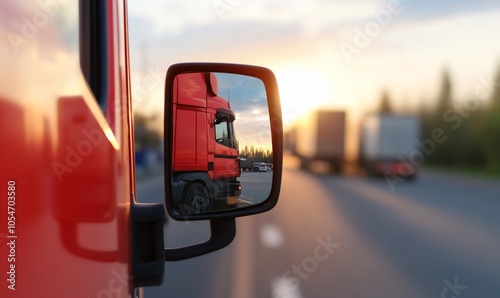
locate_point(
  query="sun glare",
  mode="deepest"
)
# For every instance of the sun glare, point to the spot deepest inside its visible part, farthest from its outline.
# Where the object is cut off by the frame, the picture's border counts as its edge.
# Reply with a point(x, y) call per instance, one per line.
point(304, 89)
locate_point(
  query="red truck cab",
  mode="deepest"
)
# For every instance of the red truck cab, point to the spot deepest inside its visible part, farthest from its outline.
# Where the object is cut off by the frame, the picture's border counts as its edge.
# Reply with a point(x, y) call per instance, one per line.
point(205, 155)
point(70, 224)
point(66, 155)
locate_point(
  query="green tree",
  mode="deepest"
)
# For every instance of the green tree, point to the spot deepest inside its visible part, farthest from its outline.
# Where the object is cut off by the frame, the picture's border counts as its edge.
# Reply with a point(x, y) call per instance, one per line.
point(444, 152)
point(385, 103)
point(491, 130)
point(495, 96)
point(145, 134)
point(445, 95)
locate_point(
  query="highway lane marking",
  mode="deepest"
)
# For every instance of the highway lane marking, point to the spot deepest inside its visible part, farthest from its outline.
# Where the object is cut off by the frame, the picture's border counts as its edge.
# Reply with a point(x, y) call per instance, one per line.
point(284, 288)
point(244, 260)
point(271, 236)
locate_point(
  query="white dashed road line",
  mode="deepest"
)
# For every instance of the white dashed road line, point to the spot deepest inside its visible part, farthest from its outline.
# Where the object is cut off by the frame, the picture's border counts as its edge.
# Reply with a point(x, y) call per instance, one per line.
point(284, 288)
point(271, 236)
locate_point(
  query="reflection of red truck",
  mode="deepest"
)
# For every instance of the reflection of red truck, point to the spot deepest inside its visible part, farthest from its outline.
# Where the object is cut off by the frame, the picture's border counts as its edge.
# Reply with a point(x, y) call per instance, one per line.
point(71, 224)
point(205, 155)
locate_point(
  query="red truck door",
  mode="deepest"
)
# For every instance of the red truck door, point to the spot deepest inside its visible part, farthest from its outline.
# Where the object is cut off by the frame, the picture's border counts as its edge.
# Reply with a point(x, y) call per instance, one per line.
point(226, 154)
point(66, 174)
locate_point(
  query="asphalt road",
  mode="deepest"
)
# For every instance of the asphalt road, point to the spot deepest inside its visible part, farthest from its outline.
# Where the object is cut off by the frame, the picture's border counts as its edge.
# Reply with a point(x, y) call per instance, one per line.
point(256, 186)
point(332, 236)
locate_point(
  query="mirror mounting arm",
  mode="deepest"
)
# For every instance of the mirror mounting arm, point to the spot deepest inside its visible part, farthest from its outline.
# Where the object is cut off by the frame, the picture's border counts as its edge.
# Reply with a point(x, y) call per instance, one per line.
point(222, 233)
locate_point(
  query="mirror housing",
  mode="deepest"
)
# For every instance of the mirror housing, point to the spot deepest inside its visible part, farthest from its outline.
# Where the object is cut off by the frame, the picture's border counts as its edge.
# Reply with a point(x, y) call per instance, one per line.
point(274, 108)
point(224, 114)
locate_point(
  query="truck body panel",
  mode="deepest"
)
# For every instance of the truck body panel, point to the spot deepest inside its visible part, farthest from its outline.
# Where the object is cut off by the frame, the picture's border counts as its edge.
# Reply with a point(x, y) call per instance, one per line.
point(246, 164)
point(65, 157)
point(321, 137)
point(387, 142)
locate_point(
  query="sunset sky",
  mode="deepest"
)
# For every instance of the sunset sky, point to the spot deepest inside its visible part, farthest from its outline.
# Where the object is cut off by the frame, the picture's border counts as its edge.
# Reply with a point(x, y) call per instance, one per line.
point(336, 54)
point(248, 100)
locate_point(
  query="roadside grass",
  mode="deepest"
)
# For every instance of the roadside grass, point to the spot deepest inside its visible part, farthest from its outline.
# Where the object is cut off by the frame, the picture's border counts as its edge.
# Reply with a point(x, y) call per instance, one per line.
point(478, 172)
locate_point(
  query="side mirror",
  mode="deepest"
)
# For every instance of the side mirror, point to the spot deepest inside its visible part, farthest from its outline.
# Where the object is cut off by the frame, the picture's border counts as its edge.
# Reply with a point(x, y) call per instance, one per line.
point(216, 114)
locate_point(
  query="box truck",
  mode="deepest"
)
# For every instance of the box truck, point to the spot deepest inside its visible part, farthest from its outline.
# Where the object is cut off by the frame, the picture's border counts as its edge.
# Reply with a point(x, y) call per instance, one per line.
point(320, 137)
point(387, 143)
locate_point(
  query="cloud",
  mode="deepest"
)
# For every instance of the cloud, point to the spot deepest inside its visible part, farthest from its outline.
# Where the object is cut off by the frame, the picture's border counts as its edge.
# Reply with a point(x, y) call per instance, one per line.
point(248, 100)
point(431, 9)
point(405, 57)
point(178, 18)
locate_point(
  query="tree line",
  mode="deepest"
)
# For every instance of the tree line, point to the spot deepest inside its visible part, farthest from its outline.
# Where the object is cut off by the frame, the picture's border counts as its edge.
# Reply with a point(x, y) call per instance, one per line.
point(146, 135)
point(256, 154)
point(470, 127)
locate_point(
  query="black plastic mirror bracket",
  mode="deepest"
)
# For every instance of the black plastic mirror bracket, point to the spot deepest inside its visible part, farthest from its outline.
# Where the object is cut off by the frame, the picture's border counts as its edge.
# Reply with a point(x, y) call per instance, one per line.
point(148, 265)
point(222, 233)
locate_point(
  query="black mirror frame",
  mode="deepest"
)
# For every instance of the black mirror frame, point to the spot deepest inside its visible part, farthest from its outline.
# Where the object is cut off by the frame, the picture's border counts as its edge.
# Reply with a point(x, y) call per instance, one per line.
point(276, 123)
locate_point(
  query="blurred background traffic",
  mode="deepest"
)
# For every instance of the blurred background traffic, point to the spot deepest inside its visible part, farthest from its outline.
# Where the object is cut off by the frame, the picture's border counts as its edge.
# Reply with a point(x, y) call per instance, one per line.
point(392, 139)
point(438, 62)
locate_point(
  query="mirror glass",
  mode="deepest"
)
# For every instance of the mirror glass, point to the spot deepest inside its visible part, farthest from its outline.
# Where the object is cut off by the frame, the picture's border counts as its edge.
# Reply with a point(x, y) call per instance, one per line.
point(222, 149)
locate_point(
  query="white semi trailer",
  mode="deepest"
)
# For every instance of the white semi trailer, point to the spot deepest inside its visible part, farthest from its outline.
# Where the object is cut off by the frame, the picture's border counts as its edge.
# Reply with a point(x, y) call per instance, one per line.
point(387, 144)
point(321, 137)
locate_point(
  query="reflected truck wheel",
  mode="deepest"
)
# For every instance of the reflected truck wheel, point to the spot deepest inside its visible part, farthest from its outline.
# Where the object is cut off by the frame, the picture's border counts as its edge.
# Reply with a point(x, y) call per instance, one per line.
point(197, 199)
